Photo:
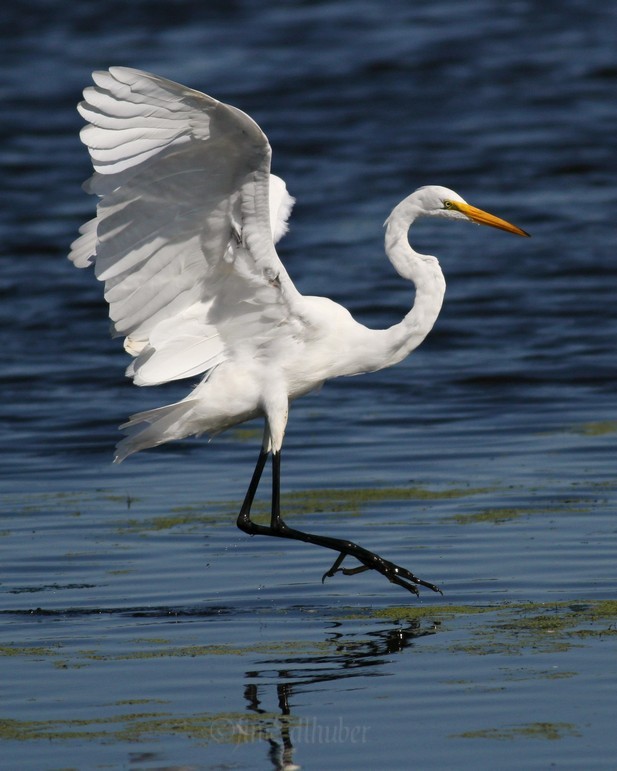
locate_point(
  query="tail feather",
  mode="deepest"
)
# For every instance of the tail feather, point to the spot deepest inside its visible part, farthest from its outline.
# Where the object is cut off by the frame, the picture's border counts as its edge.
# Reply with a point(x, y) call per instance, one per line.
point(154, 427)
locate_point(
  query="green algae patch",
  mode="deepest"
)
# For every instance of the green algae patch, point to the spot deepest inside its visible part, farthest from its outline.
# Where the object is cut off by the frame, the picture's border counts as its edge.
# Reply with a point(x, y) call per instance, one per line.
point(185, 518)
point(17, 650)
point(126, 500)
point(221, 728)
point(539, 674)
point(493, 516)
point(601, 610)
point(350, 501)
point(543, 623)
point(353, 500)
point(439, 612)
point(571, 618)
point(597, 428)
point(547, 731)
point(156, 651)
point(499, 515)
point(152, 649)
point(541, 628)
point(72, 503)
point(507, 629)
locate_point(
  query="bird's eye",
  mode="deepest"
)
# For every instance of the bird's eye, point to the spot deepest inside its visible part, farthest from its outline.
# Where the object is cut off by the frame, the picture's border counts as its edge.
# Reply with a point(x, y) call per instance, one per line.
point(447, 204)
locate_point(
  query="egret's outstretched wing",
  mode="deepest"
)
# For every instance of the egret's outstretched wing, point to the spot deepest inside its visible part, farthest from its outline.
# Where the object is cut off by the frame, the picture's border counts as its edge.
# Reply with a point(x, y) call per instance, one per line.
point(185, 228)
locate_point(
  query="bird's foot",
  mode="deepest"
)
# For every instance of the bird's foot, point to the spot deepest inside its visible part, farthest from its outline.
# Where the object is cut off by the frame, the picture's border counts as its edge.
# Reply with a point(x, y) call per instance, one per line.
point(394, 573)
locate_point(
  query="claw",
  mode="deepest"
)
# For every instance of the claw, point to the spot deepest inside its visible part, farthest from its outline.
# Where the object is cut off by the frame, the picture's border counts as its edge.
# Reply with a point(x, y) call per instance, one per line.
point(395, 574)
point(335, 567)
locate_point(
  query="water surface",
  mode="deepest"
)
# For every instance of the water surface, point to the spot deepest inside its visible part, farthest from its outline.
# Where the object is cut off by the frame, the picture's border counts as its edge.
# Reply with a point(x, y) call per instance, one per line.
point(140, 629)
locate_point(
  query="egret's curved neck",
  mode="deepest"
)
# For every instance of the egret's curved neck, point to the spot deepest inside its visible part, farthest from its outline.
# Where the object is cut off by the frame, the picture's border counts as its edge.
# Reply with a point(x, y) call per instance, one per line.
point(423, 271)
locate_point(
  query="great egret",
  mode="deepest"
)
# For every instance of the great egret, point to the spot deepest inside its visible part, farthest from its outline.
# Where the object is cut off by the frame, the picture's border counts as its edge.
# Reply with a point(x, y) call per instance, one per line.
point(184, 240)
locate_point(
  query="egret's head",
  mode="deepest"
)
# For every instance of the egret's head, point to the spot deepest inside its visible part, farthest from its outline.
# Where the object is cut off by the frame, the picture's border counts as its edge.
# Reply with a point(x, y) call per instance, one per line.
point(439, 201)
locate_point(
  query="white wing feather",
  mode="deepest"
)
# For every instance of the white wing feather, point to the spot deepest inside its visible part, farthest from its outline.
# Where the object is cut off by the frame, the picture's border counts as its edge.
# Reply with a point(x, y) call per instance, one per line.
point(186, 225)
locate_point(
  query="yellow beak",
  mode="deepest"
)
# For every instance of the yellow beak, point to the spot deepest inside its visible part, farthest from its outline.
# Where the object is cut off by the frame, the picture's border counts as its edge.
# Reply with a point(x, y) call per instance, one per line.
point(484, 218)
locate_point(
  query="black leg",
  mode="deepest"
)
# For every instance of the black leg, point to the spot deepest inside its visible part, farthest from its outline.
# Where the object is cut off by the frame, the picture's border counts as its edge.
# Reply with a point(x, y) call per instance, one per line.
point(276, 521)
point(244, 521)
point(279, 529)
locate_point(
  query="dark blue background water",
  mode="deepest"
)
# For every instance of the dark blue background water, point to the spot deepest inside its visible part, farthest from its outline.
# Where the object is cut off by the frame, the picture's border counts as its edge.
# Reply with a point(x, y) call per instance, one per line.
point(511, 397)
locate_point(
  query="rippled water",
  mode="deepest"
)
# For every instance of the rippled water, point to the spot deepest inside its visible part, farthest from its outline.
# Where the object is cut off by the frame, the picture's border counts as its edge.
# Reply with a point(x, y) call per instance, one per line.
point(140, 629)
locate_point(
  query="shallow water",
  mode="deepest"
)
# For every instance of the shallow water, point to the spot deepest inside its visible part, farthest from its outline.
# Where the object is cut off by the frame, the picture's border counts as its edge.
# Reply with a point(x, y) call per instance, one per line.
point(140, 629)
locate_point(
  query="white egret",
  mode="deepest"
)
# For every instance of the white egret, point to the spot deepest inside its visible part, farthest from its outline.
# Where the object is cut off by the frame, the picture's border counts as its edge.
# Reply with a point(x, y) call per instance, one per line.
point(183, 239)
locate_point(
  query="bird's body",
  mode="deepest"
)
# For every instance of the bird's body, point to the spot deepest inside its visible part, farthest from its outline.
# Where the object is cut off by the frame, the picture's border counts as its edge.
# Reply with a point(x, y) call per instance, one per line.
point(262, 379)
point(184, 240)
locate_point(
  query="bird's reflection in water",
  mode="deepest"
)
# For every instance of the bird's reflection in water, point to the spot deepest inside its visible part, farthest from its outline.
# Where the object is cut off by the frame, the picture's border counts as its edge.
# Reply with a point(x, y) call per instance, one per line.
point(283, 729)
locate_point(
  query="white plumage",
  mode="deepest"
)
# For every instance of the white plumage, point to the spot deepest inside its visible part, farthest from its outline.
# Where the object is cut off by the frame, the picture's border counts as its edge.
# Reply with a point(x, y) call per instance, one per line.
point(183, 240)
point(191, 274)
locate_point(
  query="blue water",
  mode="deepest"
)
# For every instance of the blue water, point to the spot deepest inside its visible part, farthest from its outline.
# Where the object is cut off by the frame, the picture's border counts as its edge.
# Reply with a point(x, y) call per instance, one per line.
point(128, 599)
